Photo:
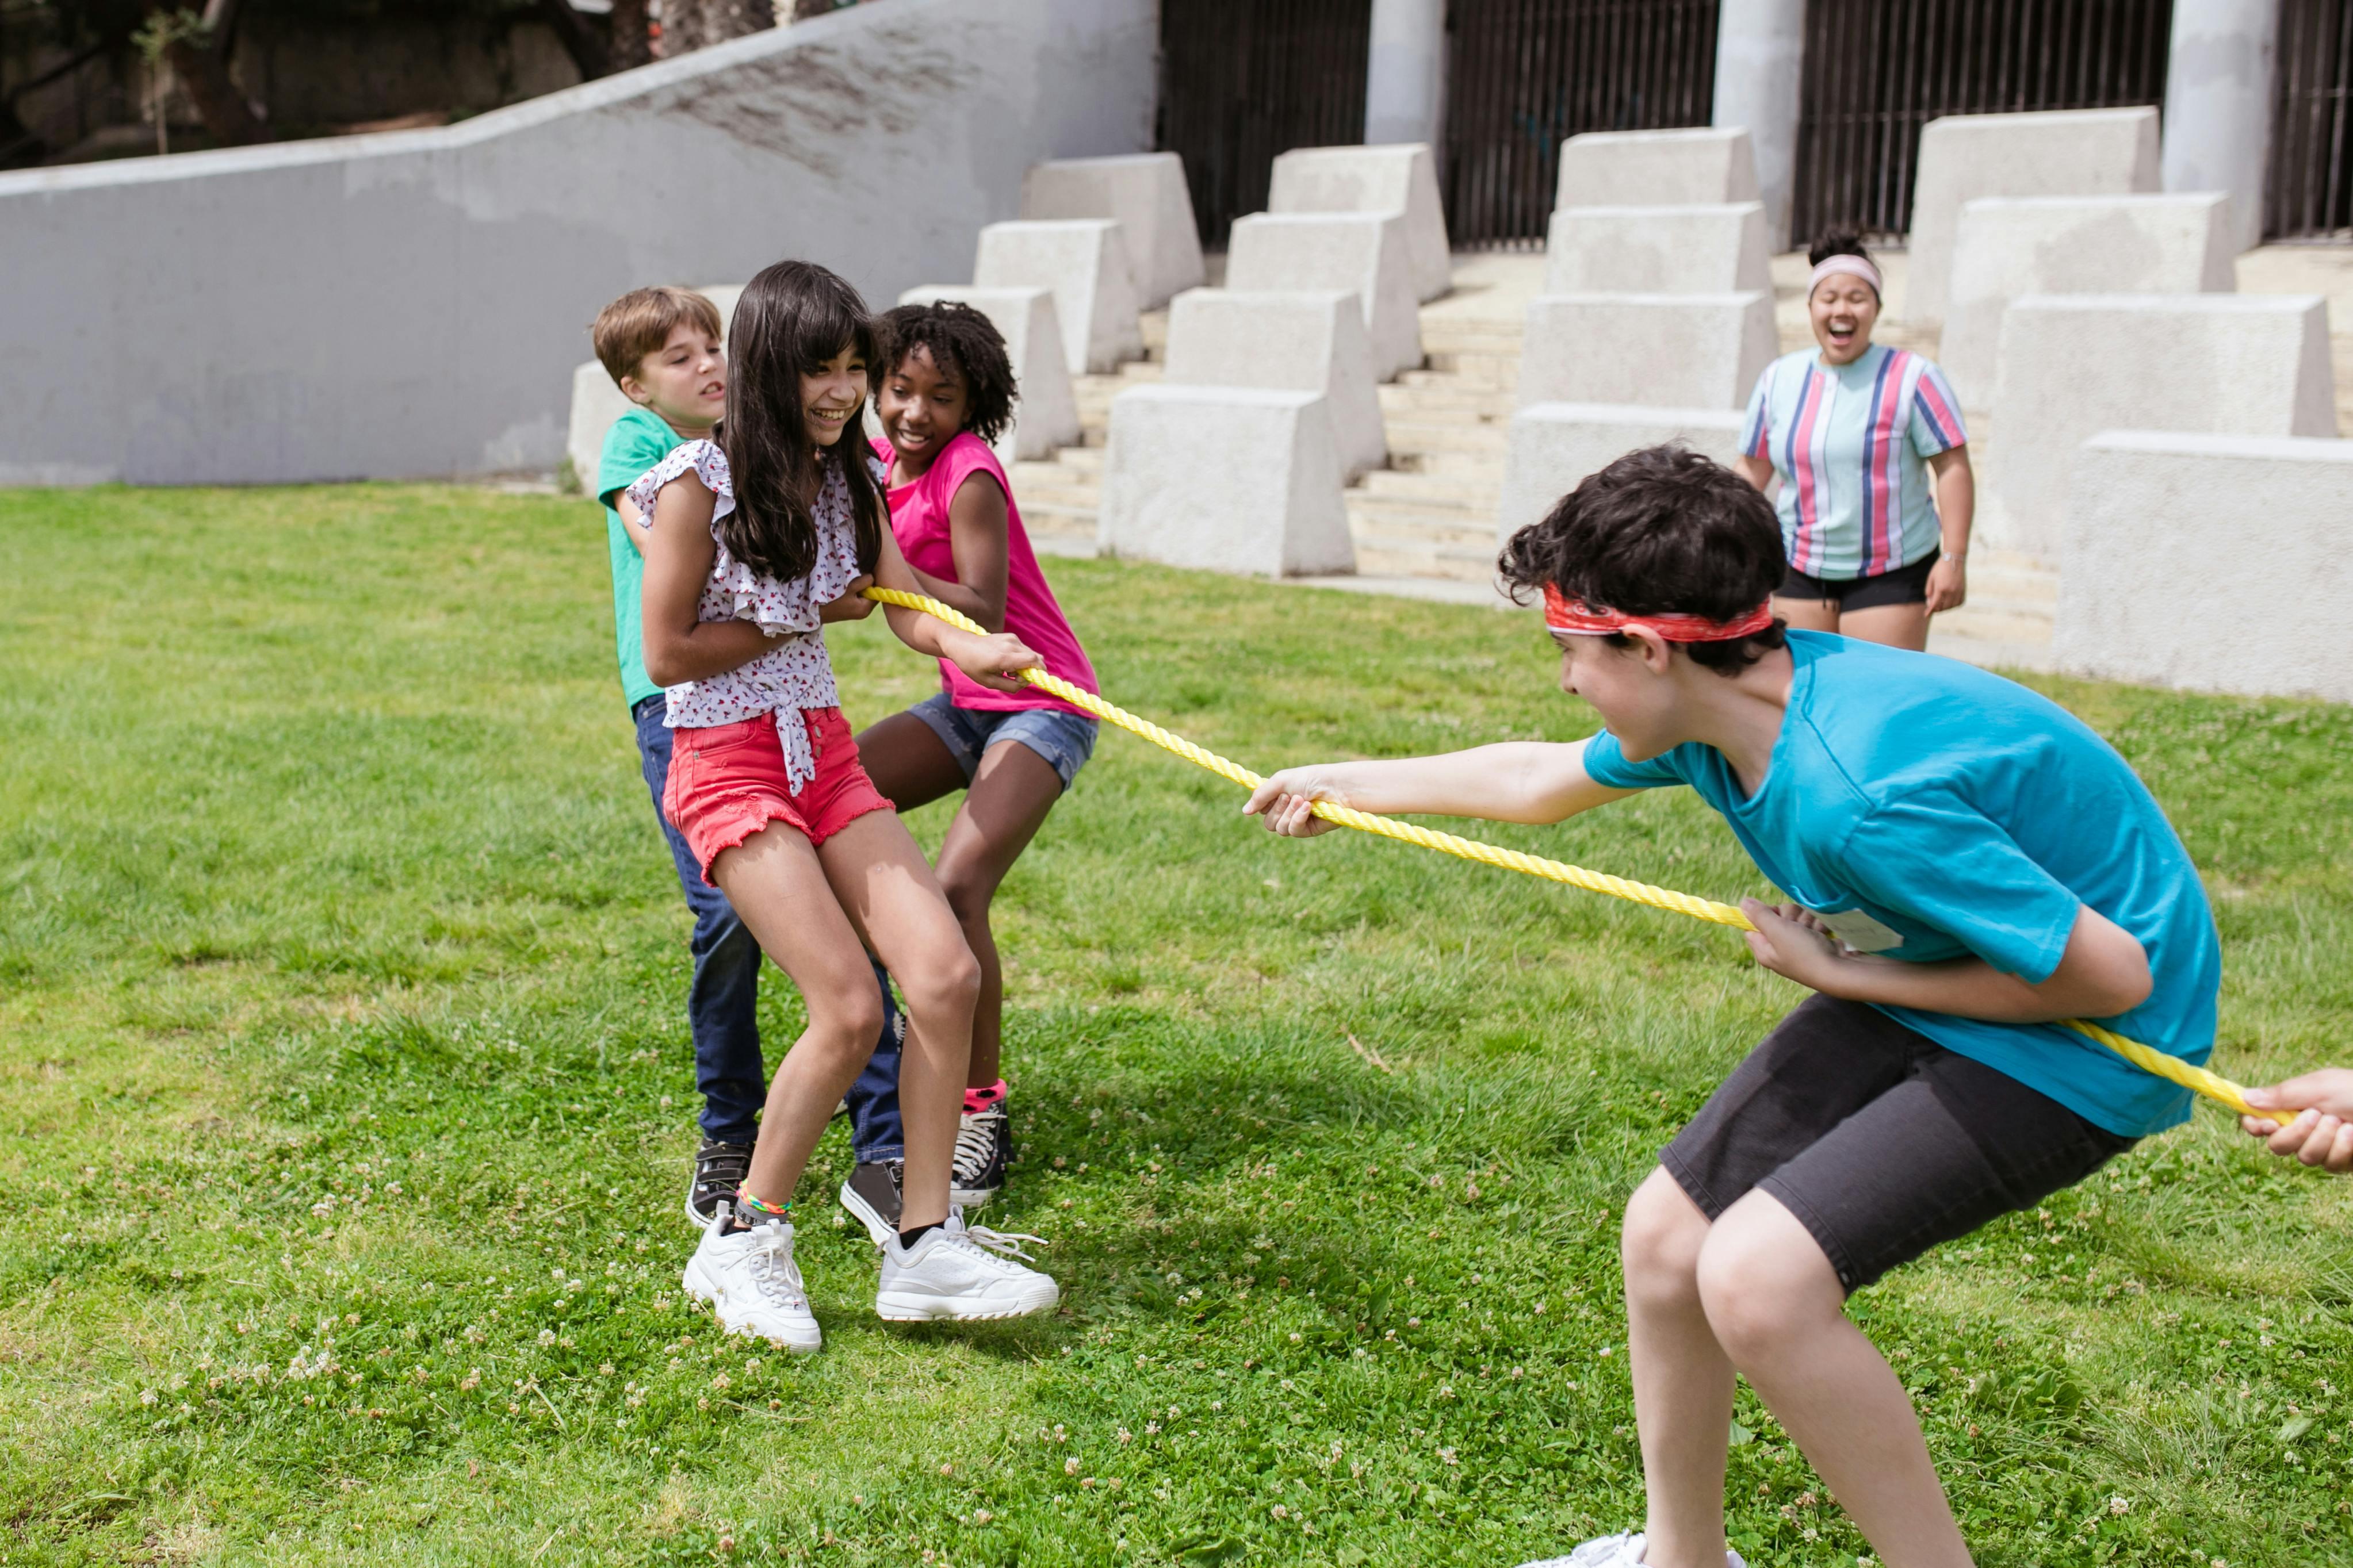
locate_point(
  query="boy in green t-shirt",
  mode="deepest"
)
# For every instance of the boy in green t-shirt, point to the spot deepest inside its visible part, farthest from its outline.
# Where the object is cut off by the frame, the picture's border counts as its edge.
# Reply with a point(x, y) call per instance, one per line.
point(661, 347)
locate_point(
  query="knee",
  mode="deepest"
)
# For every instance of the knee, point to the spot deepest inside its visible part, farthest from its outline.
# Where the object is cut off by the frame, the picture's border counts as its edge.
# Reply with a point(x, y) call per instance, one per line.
point(847, 1020)
point(948, 982)
point(1757, 1289)
point(968, 894)
point(1659, 1244)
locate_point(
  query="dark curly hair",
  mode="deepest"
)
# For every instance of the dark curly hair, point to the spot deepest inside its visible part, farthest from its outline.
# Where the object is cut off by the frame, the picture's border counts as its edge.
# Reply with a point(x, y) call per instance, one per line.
point(1836, 242)
point(964, 343)
point(1662, 531)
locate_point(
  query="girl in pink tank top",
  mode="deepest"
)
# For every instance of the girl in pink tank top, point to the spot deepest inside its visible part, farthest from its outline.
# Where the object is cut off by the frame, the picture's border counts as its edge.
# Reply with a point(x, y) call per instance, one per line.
point(946, 393)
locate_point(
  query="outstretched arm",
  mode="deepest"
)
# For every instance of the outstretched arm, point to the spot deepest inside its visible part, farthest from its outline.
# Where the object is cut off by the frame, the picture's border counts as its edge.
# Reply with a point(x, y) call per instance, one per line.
point(992, 661)
point(2103, 971)
point(1517, 781)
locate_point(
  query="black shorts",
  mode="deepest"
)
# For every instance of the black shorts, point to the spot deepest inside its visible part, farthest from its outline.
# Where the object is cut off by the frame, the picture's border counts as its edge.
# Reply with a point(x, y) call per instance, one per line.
point(1904, 586)
point(1883, 1143)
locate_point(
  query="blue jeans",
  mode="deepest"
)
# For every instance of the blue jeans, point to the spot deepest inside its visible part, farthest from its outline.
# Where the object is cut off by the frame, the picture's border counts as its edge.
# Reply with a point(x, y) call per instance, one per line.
point(723, 999)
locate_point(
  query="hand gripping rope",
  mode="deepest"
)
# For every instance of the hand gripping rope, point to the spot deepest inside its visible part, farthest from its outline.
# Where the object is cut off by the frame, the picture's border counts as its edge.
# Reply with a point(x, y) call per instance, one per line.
point(2211, 1085)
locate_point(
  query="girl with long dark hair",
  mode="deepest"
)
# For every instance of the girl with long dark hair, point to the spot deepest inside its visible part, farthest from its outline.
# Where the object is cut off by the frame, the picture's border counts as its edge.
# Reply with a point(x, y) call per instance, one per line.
point(777, 521)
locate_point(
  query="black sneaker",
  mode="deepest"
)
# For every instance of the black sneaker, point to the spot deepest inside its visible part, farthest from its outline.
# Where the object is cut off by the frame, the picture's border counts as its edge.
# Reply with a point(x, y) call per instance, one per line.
point(719, 1169)
point(871, 1197)
point(984, 1144)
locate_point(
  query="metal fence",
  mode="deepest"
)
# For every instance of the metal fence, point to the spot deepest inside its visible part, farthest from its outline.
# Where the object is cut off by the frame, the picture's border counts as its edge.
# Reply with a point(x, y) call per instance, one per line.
point(1523, 76)
point(2309, 193)
point(1242, 80)
point(1876, 72)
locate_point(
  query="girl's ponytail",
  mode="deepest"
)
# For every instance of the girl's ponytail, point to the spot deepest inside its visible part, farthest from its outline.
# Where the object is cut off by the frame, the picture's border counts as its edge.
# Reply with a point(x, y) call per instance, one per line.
point(793, 318)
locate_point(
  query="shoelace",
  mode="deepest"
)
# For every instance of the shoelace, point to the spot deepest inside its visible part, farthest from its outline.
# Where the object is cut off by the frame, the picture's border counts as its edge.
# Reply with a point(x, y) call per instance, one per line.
point(723, 1171)
point(772, 1264)
point(975, 1143)
point(1007, 1242)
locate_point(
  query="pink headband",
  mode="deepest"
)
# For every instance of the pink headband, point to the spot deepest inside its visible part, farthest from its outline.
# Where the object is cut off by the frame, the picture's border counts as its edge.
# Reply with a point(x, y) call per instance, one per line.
point(1847, 266)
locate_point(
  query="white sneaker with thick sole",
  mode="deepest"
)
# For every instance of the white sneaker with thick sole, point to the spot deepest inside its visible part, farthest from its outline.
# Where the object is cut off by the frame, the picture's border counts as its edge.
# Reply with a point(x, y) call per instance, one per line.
point(1615, 1551)
point(955, 1271)
point(751, 1278)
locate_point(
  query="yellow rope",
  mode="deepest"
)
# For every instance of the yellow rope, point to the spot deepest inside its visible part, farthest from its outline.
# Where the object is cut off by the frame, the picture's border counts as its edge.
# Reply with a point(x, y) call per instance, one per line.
point(2210, 1085)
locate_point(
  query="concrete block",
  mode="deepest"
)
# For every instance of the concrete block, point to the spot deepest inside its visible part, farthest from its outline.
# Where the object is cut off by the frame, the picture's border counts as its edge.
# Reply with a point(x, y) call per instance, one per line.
point(2060, 153)
point(1225, 478)
point(1653, 351)
point(596, 404)
point(1717, 248)
point(1083, 262)
point(1363, 253)
point(1047, 416)
point(1395, 179)
point(1304, 340)
point(1673, 168)
point(1142, 191)
point(2075, 364)
point(2210, 562)
point(1555, 444)
point(2007, 247)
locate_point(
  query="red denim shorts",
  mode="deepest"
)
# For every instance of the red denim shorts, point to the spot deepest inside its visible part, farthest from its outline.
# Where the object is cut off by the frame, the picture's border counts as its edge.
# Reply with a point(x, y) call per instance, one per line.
point(728, 782)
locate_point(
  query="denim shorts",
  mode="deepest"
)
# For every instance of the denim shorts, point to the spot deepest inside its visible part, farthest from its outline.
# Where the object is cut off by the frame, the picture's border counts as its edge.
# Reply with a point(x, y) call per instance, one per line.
point(1065, 739)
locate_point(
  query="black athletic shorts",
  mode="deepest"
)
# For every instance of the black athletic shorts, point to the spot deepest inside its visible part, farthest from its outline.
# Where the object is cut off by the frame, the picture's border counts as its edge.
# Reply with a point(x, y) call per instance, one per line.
point(1883, 1143)
point(1904, 586)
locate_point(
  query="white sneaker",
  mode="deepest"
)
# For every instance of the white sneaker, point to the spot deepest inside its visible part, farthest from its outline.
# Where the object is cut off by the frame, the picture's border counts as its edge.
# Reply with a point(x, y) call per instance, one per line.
point(1615, 1551)
point(947, 1274)
point(750, 1277)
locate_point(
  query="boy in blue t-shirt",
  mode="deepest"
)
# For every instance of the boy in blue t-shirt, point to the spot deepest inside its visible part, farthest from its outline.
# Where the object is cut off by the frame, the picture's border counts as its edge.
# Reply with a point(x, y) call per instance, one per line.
point(663, 348)
point(1967, 865)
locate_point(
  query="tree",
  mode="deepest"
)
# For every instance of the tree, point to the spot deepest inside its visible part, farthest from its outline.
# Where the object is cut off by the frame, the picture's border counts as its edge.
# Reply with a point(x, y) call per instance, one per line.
point(196, 48)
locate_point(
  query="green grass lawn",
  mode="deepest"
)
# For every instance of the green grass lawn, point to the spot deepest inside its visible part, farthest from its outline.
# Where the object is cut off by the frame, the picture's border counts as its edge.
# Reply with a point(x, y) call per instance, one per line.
point(346, 1106)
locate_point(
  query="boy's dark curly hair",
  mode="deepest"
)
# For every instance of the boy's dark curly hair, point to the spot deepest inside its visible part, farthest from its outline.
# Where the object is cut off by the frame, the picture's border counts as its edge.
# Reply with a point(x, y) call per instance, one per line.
point(1660, 531)
point(965, 344)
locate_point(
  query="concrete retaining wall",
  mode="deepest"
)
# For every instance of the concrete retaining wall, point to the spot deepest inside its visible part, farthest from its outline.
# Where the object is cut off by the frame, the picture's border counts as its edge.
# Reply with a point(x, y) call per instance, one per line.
point(2063, 152)
point(2075, 364)
point(1706, 249)
point(2073, 245)
point(412, 304)
point(1306, 340)
point(2210, 562)
point(1555, 444)
point(1401, 179)
point(1656, 168)
point(1651, 350)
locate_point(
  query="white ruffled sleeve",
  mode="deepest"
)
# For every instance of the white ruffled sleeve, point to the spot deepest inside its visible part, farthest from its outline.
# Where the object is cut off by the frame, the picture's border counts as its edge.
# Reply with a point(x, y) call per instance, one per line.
point(710, 466)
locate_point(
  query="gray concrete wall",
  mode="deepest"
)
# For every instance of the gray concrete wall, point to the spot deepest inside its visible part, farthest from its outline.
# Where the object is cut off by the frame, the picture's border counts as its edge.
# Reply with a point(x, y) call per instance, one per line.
point(412, 305)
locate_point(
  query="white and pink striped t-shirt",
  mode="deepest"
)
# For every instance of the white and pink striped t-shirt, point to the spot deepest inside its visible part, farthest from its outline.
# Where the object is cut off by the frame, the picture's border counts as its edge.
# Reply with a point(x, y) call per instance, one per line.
point(1851, 444)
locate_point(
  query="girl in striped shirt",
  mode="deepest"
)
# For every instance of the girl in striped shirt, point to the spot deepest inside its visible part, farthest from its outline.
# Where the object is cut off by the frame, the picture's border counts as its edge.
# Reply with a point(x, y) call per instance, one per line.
point(1876, 491)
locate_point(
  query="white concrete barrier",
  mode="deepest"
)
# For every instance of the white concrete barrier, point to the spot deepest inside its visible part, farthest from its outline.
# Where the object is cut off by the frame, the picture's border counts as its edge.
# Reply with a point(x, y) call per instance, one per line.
point(1401, 179)
point(2075, 364)
point(1226, 478)
point(1084, 263)
point(1144, 193)
point(1717, 248)
point(1651, 350)
point(2060, 153)
point(1669, 168)
point(2211, 562)
point(1363, 253)
point(596, 404)
point(2013, 246)
point(1047, 416)
point(1555, 445)
point(1302, 341)
point(291, 312)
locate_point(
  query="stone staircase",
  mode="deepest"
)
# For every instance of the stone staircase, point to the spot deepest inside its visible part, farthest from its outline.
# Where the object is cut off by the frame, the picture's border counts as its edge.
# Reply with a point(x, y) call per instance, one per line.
point(1425, 523)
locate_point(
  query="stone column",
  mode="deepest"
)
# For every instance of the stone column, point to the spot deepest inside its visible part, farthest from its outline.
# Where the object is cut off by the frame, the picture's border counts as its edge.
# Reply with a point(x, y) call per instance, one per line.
point(2218, 104)
point(1405, 71)
point(1760, 47)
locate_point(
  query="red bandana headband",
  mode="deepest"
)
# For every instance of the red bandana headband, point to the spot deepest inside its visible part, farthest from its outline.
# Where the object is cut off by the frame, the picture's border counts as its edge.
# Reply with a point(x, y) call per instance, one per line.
point(1576, 618)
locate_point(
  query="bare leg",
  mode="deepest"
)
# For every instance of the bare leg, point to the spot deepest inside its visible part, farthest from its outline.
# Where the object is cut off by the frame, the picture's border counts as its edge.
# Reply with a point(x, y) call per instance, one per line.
point(908, 761)
point(1808, 615)
point(778, 886)
point(1011, 793)
point(1897, 626)
point(1682, 1381)
point(887, 888)
point(1776, 1307)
